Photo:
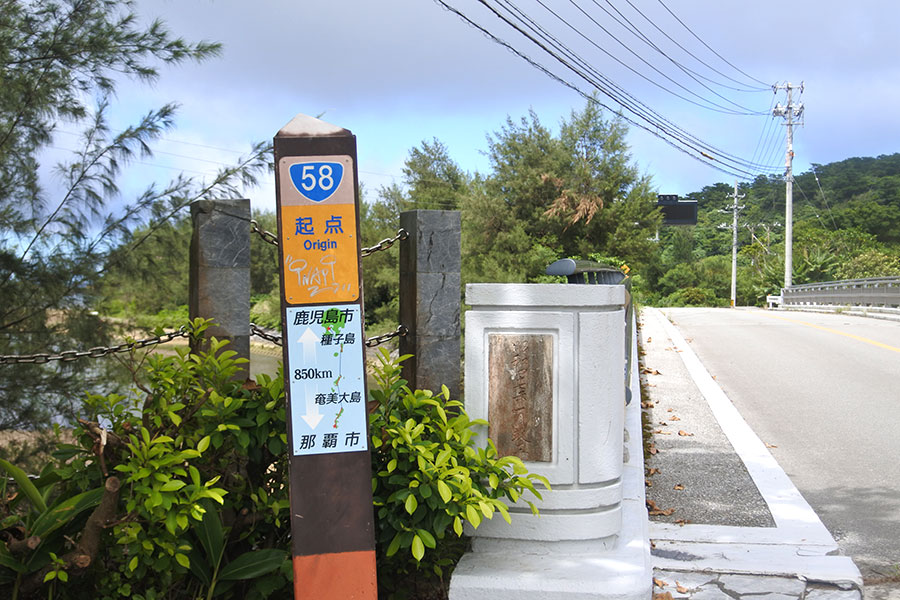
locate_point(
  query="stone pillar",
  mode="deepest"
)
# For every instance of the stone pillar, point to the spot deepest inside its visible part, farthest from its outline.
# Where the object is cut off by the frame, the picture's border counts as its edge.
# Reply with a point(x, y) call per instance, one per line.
point(430, 299)
point(220, 271)
point(544, 367)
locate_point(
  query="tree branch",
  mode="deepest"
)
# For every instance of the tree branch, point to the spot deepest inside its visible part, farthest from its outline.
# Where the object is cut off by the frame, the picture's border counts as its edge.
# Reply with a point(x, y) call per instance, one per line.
point(85, 552)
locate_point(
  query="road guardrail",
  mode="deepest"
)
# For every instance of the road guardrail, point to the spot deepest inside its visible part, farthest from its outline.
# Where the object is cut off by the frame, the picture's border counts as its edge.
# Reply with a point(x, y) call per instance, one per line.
point(871, 292)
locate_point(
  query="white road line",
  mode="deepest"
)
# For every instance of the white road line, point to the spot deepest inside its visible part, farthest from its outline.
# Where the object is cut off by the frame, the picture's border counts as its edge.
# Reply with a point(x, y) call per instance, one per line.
point(791, 512)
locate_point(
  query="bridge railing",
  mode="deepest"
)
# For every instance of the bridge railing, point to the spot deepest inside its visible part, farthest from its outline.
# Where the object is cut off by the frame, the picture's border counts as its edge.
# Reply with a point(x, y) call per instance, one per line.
point(871, 292)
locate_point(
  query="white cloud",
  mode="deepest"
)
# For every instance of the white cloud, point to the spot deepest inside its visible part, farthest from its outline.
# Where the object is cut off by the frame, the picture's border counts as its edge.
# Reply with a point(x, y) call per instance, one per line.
point(398, 72)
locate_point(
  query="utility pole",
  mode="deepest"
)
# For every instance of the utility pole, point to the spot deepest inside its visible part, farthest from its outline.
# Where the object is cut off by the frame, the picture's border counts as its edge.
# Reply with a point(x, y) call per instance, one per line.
point(734, 243)
point(789, 112)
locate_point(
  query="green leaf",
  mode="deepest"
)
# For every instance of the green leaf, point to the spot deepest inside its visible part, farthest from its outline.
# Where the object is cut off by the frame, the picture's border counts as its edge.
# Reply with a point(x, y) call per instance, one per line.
point(50, 576)
point(28, 488)
point(504, 512)
point(171, 522)
point(418, 548)
point(200, 568)
point(411, 503)
point(172, 486)
point(203, 444)
point(182, 560)
point(211, 535)
point(133, 563)
point(473, 516)
point(253, 564)
point(444, 491)
point(65, 511)
point(195, 475)
point(9, 561)
point(394, 545)
point(458, 526)
point(427, 538)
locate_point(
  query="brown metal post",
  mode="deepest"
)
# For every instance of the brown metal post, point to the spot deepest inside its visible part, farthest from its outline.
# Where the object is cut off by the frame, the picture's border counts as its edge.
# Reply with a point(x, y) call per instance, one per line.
point(332, 518)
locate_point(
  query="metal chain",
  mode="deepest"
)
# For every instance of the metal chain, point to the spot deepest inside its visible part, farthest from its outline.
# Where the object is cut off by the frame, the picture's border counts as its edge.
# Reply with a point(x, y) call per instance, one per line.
point(267, 236)
point(378, 340)
point(371, 342)
point(260, 332)
point(386, 243)
point(271, 238)
point(96, 352)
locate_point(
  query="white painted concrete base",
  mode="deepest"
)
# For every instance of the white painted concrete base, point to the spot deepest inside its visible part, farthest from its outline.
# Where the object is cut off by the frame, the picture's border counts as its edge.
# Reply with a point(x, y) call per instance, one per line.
point(589, 575)
point(571, 570)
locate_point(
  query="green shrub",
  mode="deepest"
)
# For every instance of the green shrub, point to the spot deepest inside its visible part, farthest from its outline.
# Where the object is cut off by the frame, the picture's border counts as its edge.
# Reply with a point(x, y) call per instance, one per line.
point(694, 296)
point(429, 478)
point(177, 490)
point(166, 491)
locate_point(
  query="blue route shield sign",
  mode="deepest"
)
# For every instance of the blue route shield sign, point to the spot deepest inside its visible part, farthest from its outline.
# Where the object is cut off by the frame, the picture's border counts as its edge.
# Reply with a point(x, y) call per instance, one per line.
point(317, 181)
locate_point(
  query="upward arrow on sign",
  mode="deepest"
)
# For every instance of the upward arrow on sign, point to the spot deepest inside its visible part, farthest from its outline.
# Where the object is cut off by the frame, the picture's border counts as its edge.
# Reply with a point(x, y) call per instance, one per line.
point(309, 340)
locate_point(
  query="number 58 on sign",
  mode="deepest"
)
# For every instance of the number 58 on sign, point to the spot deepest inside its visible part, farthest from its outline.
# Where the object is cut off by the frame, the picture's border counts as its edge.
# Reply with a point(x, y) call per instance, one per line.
point(318, 223)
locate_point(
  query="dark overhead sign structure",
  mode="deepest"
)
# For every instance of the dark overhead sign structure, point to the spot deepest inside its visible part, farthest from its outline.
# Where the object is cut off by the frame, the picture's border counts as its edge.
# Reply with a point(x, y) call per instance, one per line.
point(677, 212)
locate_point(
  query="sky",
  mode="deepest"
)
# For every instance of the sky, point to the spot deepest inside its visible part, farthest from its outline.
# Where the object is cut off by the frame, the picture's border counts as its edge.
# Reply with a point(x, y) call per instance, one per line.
point(397, 72)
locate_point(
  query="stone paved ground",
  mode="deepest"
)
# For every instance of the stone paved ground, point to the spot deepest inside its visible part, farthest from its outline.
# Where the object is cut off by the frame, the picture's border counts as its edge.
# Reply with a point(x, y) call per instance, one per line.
point(715, 586)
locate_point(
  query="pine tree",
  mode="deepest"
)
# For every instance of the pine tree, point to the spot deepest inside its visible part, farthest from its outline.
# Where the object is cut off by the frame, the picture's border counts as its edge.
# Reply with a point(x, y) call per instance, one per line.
point(59, 63)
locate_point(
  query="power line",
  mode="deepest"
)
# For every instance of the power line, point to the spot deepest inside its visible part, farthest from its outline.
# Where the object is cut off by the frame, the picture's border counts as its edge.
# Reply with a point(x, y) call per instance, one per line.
point(570, 85)
point(638, 108)
point(713, 106)
point(688, 52)
point(767, 126)
point(148, 164)
point(647, 119)
point(824, 199)
point(708, 47)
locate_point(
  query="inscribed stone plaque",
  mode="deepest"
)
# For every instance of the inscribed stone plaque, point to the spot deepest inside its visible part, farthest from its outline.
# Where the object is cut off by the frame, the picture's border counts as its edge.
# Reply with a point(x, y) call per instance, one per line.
point(520, 395)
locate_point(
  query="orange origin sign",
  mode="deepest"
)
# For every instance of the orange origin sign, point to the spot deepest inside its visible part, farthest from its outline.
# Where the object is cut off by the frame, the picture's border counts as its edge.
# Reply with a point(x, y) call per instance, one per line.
point(319, 231)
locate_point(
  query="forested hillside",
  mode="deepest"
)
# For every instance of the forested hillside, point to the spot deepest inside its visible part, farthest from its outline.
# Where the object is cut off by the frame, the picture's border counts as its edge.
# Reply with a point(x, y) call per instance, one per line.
point(577, 192)
point(846, 226)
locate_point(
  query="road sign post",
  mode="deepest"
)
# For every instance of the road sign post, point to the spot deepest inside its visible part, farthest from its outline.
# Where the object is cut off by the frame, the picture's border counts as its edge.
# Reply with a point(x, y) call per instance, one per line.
point(332, 526)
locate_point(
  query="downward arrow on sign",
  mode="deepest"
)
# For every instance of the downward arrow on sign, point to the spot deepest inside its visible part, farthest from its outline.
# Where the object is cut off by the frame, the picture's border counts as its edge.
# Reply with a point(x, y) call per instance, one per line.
point(312, 416)
point(309, 340)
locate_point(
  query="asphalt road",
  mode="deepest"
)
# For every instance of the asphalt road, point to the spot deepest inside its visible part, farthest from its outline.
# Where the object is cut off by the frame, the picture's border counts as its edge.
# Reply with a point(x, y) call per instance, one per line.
point(824, 390)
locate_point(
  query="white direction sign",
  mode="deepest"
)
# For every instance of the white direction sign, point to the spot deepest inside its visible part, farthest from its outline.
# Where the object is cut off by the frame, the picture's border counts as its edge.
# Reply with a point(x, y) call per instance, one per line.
point(326, 374)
